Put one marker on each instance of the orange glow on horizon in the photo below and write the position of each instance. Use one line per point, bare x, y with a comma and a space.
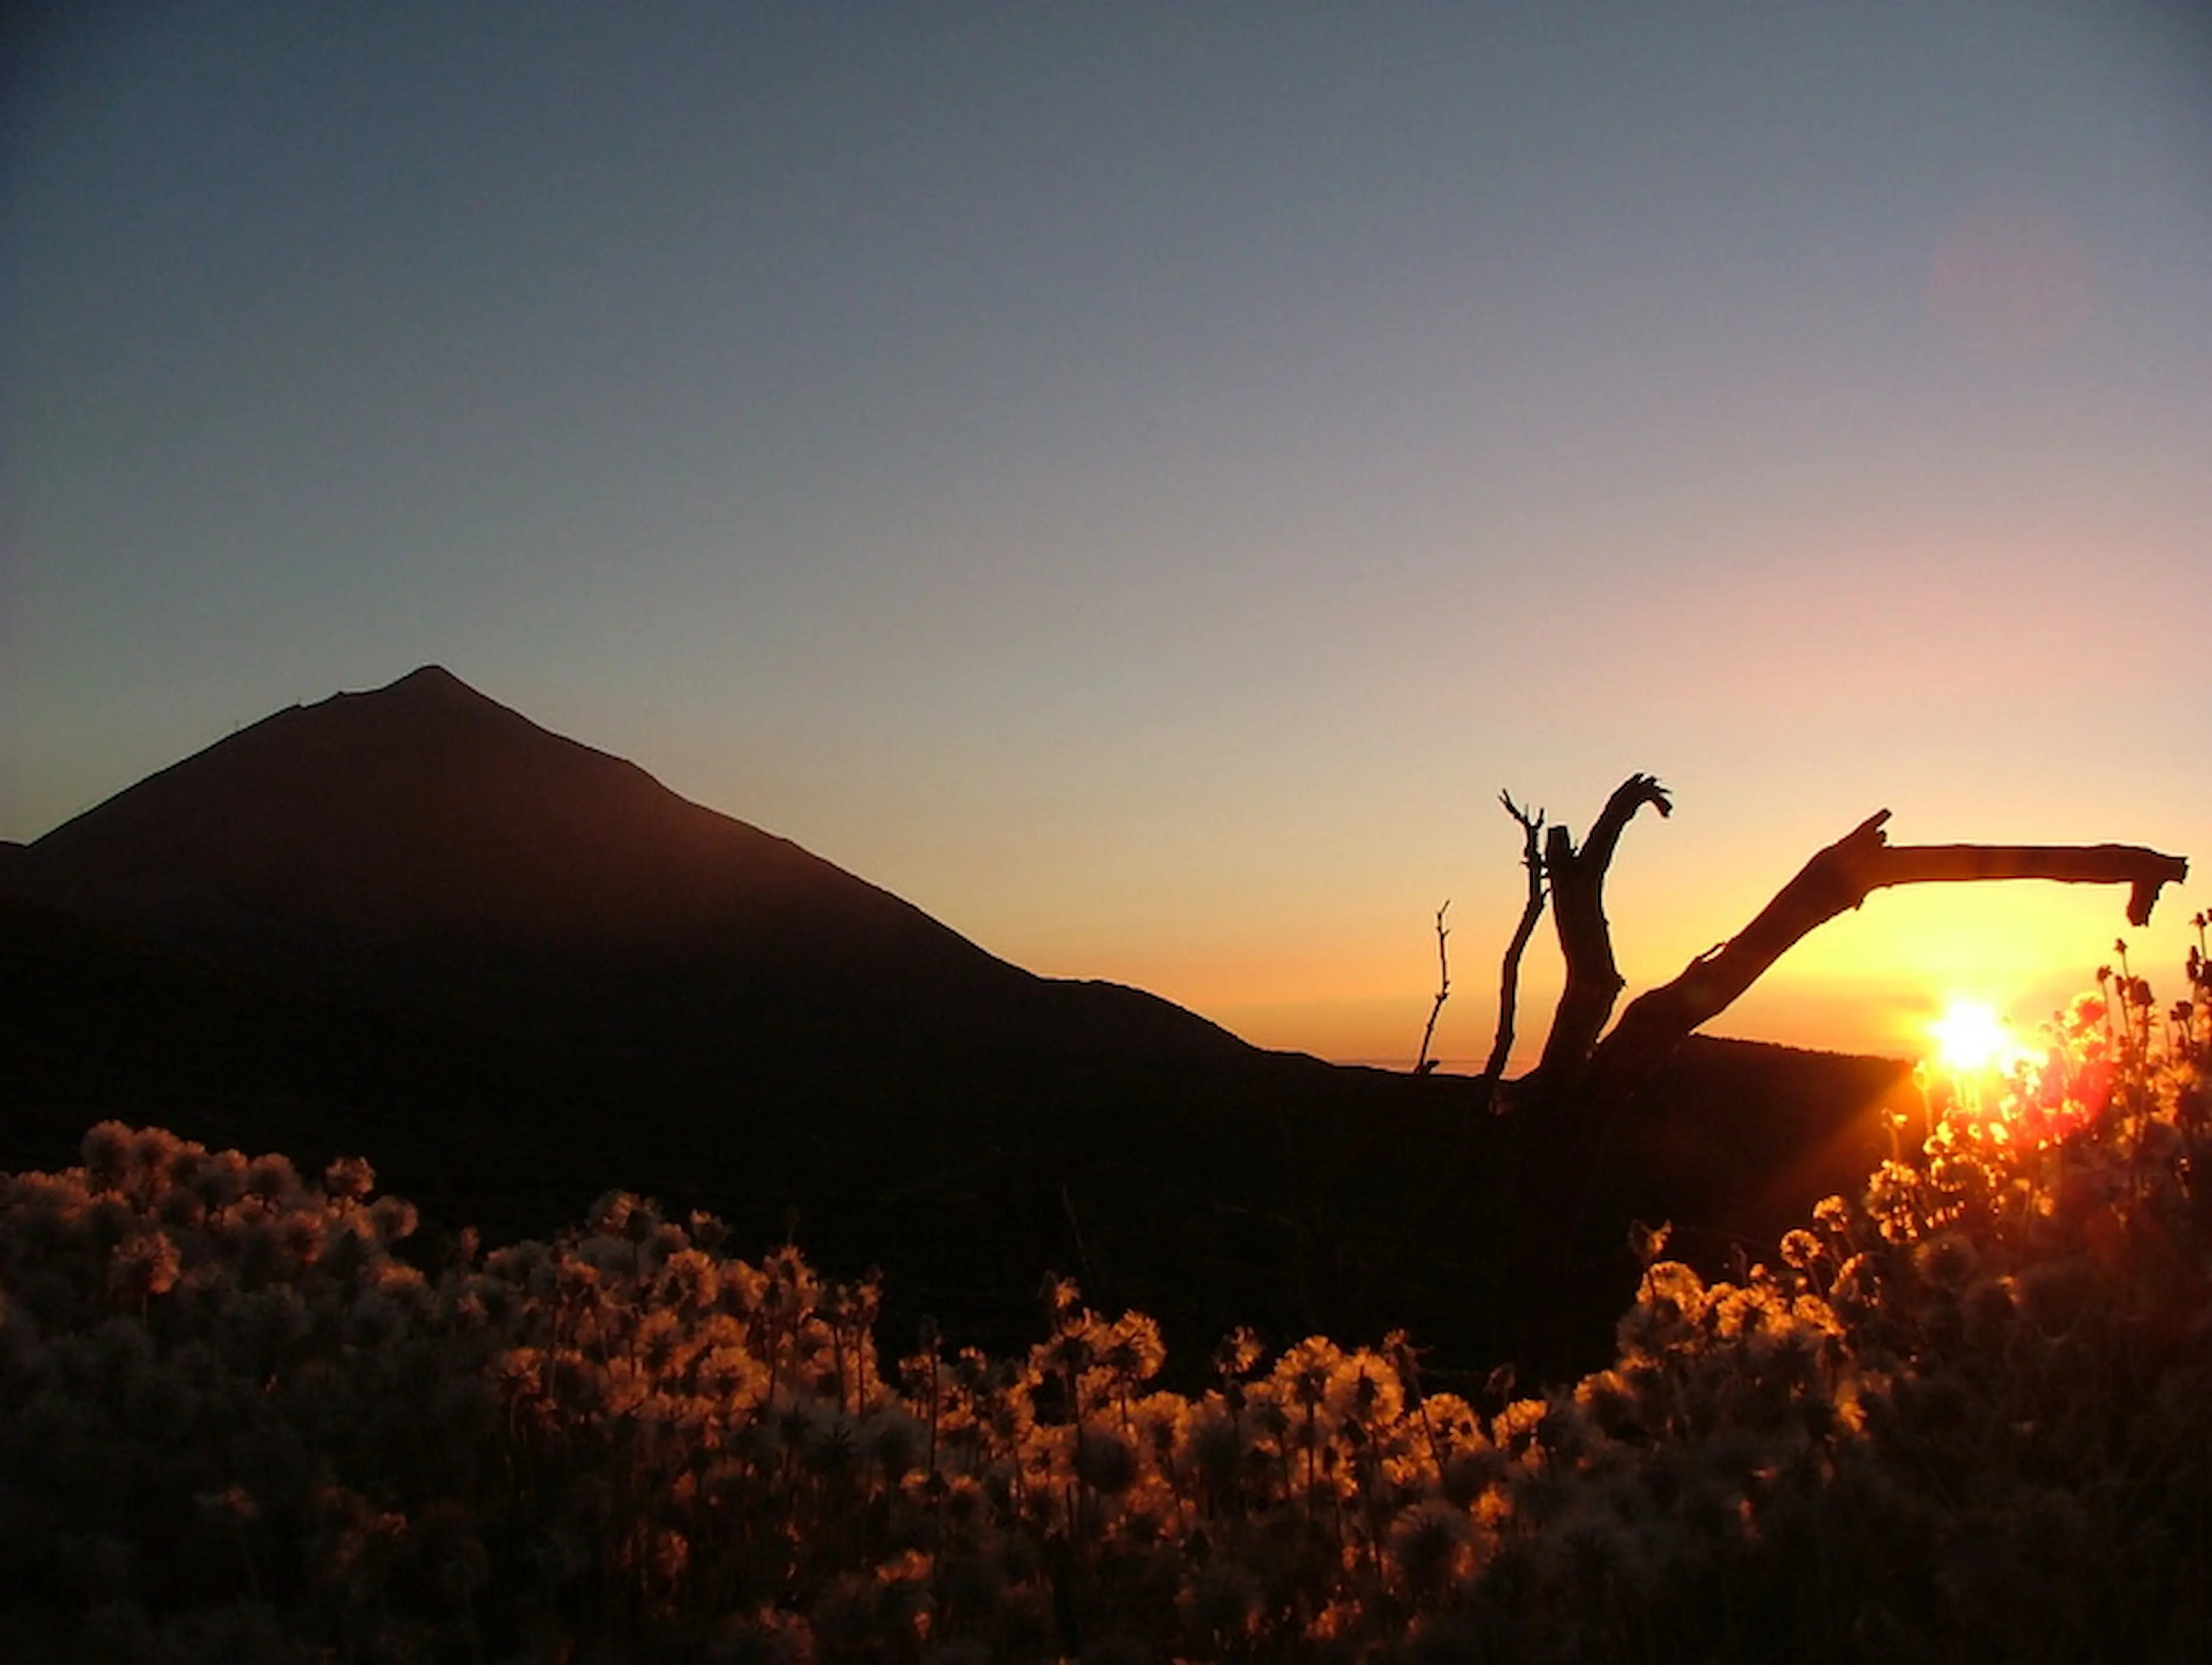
1878, 983
1868, 983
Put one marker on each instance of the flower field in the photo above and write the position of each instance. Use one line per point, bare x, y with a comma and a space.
1966, 1414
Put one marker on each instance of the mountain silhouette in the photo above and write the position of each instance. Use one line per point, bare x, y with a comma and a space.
424, 838
514, 972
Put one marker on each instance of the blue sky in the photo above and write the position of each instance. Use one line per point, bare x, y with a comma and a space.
1138, 480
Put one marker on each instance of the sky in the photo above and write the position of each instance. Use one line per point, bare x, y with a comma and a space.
1139, 481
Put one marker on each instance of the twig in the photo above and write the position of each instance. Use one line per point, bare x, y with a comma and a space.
1424, 1064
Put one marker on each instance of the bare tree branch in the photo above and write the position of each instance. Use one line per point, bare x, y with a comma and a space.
1838, 878
1509, 978
1423, 1064
1594, 981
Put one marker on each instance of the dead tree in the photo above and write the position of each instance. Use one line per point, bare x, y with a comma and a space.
1581, 1060
1535, 1184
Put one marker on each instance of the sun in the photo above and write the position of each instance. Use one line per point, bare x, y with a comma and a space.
1971, 1036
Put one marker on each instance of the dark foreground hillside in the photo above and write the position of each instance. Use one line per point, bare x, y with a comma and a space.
513, 972
1962, 1414
1275, 1191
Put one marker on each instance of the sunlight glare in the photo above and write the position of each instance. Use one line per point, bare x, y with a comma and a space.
1971, 1036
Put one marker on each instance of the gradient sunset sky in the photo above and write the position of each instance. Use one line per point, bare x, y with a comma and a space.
1138, 480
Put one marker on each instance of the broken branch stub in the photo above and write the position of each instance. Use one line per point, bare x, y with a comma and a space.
1594, 981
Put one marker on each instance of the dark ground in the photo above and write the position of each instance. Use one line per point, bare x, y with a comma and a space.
1233, 1188
514, 972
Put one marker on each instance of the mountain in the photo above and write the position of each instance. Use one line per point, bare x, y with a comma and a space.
423, 840
514, 972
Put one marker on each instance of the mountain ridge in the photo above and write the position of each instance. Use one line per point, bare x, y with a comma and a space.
424, 831
513, 971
